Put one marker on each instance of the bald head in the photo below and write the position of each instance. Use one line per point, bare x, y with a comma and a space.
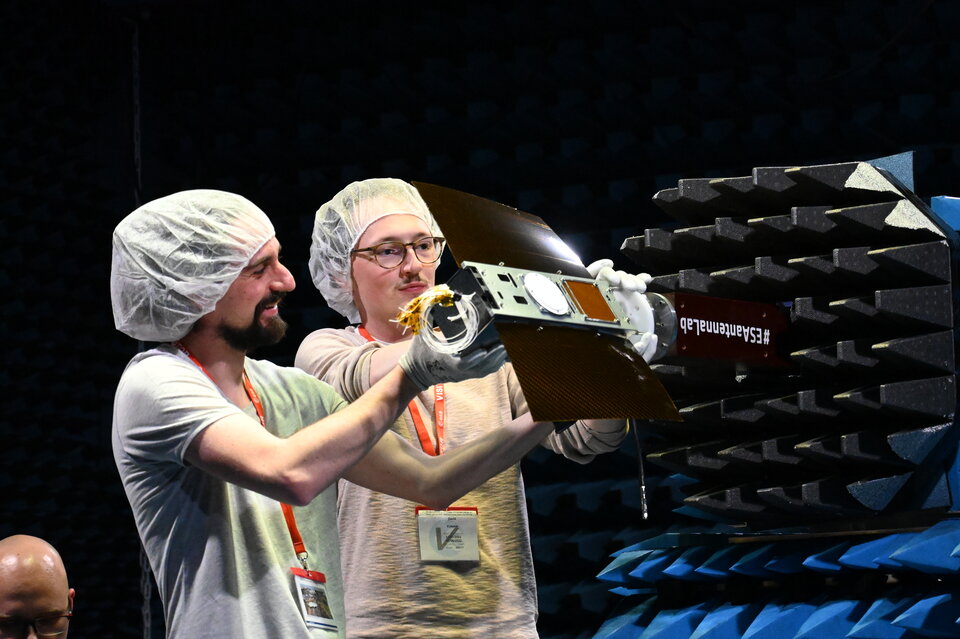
33, 580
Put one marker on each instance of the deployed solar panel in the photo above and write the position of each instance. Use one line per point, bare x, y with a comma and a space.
480, 230
570, 373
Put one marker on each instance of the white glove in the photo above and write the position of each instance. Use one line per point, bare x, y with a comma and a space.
426, 367
629, 291
645, 344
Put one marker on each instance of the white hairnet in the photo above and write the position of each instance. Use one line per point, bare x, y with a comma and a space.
339, 224
175, 257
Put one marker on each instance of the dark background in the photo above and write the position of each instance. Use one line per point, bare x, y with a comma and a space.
576, 112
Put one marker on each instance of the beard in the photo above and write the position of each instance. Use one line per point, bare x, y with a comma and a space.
254, 335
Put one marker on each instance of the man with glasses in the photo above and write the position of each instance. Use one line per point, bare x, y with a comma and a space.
35, 598
375, 246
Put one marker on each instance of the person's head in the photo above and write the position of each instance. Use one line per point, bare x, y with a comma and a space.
179, 258
361, 216
35, 598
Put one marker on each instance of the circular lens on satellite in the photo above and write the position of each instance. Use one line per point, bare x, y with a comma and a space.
546, 294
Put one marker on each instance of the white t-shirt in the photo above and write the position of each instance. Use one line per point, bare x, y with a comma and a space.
221, 554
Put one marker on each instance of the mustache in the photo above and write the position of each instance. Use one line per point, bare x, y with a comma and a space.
275, 298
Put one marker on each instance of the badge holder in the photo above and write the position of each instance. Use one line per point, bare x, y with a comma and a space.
448, 535
311, 589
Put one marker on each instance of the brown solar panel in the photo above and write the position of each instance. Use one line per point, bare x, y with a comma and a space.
569, 373
481, 230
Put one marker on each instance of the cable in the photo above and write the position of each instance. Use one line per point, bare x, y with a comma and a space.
146, 592
467, 314
644, 509
146, 585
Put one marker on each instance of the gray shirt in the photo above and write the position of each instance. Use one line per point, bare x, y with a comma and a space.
221, 554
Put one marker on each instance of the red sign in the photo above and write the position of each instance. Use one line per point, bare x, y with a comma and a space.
727, 329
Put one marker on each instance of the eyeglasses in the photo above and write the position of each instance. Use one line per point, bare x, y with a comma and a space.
391, 254
48, 626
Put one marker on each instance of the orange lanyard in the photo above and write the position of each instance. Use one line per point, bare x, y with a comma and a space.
298, 546
439, 413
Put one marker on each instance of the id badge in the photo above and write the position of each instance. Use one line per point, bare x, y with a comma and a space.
448, 535
311, 587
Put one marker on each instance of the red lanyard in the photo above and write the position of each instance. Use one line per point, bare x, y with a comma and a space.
288, 516
439, 413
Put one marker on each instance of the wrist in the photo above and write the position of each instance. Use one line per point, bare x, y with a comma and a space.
606, 426
412, 378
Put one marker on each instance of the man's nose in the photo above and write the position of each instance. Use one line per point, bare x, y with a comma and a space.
284, 279
410, 263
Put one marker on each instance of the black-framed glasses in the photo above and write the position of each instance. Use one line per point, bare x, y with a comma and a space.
390, 254
55, 625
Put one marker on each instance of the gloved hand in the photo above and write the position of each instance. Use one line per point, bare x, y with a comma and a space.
603, 270
629, 291
426, 367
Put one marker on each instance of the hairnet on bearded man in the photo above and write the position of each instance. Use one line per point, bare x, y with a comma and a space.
340, 222
176, 256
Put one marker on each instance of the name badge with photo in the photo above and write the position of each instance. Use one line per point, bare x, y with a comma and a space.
311, 587
448, 535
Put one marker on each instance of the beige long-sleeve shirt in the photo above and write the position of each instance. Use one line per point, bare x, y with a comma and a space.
389, 592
